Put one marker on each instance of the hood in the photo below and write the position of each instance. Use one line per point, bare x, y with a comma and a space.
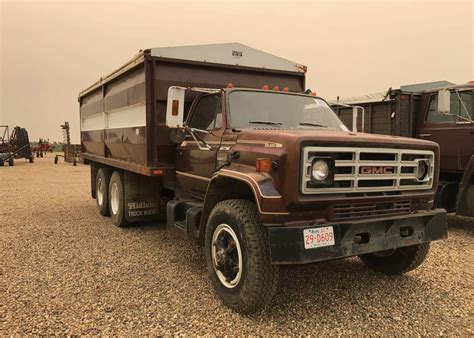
288, 137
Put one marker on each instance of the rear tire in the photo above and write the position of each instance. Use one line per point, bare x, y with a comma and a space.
11, 161
399, 261
102, 191
116, 199
238, 256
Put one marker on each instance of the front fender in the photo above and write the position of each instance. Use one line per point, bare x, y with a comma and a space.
268, 200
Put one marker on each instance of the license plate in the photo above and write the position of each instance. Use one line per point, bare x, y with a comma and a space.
318, 237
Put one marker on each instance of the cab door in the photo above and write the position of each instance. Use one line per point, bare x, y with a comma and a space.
454, 133
194, 164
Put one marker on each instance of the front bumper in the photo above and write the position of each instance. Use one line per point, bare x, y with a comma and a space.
359, 237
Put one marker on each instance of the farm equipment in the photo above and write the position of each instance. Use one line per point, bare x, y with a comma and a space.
14, 146
72, 152
42, 148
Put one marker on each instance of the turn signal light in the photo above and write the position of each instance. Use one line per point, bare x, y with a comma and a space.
263, 165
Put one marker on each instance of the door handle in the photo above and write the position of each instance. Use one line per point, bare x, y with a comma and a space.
425, 135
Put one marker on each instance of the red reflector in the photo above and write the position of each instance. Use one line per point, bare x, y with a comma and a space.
263, 165
158, 172
175, 108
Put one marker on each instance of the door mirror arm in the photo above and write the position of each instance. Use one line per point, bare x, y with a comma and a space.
201, 143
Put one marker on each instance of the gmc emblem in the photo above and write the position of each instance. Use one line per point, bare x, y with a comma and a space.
377, 170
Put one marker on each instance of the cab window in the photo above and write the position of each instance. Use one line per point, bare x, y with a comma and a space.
460, 105
433, 115
207, 114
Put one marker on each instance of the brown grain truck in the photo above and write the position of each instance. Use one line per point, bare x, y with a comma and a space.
417, 111
222, 142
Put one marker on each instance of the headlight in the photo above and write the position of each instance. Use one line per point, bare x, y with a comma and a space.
422, 170
320, 170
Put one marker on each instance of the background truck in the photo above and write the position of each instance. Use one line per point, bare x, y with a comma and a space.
413, 111
222, 142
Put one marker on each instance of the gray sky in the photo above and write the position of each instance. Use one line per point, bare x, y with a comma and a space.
52, 50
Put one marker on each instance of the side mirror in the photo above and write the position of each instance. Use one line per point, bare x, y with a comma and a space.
175, 107
444, 102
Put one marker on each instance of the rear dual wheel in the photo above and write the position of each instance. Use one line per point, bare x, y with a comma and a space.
116, 199
102, 191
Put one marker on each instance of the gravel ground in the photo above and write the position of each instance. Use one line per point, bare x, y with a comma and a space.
67, 270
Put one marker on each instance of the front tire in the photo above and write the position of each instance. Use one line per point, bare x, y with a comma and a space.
397, 261
238, 256
116, 199
11, 161
102, 191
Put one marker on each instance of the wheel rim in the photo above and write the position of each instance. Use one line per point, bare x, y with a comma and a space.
226, 256
100, 192
114, 198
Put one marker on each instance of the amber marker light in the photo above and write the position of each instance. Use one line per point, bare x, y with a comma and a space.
263, 165
175, 108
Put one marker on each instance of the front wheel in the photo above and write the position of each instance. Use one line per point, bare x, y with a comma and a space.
238, 256
397, 261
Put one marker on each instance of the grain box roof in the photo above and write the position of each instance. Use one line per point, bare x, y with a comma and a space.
232, 54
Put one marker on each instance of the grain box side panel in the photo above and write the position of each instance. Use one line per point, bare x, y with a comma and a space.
91, 107
125, 115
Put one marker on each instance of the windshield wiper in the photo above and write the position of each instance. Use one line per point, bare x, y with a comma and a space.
312, 124
271, 123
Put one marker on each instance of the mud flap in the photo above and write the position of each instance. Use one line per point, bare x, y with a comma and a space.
141, 197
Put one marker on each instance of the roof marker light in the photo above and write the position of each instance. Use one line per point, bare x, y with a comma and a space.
276, 88
286, 89
230, 85
265, 87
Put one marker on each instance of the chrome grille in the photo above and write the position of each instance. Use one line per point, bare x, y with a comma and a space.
351, 173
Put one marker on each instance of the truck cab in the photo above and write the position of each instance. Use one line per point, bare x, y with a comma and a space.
438, 111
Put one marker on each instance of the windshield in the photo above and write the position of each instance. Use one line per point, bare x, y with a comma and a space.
251, 109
